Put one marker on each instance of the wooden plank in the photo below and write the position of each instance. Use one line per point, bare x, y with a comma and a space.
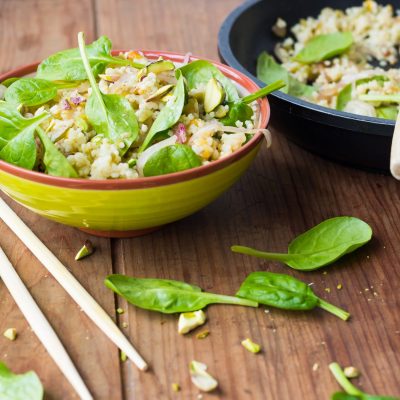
285, 192
179, 25
32, 30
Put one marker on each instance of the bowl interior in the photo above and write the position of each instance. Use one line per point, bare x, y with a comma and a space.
244, 84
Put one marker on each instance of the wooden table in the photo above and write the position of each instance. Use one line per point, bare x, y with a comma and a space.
286, 191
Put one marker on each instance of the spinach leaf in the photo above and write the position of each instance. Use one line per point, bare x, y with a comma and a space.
17, 140
55, 162
21, 150
285, 292
269, 71
33, 91
346, 94
171, 159
67, 65
169, 115
321, 245
387, 112
11, 122
323, 47
344, 396
240, 111
19, 387
200, 72
167, 296
110, 115
9, 81
352, 393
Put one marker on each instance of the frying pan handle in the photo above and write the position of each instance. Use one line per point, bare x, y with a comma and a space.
395, 152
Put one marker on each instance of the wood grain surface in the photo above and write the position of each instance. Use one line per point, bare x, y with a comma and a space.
285, 192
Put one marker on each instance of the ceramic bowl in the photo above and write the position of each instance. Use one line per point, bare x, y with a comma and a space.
131, 207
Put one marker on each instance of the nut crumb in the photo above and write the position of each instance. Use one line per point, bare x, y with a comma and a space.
175, 387
10, 334
315, 367
351, 372
202, 335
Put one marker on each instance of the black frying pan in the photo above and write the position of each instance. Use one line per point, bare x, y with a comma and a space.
350, 139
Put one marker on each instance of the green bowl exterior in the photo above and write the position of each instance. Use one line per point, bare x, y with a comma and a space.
121, 210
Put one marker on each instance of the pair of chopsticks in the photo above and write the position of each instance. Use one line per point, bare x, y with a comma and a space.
35, 317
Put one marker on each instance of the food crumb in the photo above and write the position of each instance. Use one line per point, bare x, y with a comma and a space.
325, 273
252, 347
191, 320
123, 356
124, 324
280, 28
328, 290
175, 387
10, 334
351, 372
120, 310
203, 335
86, 250
266, 311
339, 286
315, 367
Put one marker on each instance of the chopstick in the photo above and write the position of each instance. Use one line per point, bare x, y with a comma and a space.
70, 284
41, 326
395, 151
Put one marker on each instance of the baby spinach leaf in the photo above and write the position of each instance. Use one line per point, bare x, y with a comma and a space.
9, 81
324, 47
387, 112
67, 65
241, 111
285, 292
269, 71
11, 122
110, 115
352, 392
33, 91
19, 387
321, 245
177, 157
169, 115
17, 141
55, 162
21, 150
346, 94
167, 296
343, 396
238, 111
199, 72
